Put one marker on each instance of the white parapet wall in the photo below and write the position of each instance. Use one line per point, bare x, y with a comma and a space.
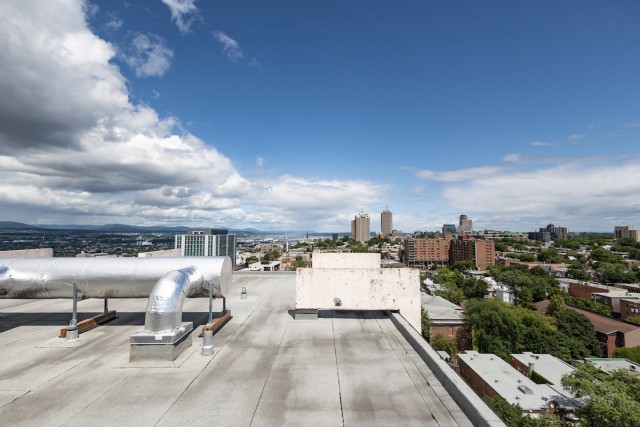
359, 288
346, 260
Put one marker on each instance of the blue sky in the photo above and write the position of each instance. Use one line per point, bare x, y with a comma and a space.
296, 115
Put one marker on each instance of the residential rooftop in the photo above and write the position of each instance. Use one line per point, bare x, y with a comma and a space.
513, 386
610, 365
549, 367
345, 368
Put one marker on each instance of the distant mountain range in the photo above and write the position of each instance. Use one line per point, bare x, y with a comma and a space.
124, 228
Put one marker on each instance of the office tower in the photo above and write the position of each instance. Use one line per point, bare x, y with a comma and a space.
361, 228
212, 242
465, 224
449, 229
386, 223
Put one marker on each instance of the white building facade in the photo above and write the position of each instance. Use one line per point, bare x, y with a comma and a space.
207, 243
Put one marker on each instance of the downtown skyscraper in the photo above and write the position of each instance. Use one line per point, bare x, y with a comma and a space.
361, 227
386, 222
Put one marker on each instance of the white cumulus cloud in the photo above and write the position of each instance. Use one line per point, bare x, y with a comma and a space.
74, 147
230, 47
148, 55
183, 13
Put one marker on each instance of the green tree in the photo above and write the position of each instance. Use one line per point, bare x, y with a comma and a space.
634, 320
556, 303
250, 260
462, 266
360, 249
579, 332
577, 274
474, 288
615, 273
425, 322
495, 329
550, 256
513, 417
631, 353
452, 293
538, 271
592, 306
603, 255
299, 262
440, 343
610, 400
271, 255
525, 298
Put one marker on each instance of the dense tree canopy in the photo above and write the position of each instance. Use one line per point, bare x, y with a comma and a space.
578, 332
631, 353
615, 273
551, 256
611, 400
502, 329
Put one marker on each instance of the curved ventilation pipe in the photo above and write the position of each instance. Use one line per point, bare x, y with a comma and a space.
164, 309
39, 278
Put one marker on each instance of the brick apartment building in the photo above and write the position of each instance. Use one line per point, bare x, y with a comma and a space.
426, 253
481, 252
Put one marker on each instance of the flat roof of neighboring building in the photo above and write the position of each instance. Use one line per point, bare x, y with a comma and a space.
440, 309
546, 365
514, 387
346, 368
628, 295
609, 365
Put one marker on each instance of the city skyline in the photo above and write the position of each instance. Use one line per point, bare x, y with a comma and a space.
244, 115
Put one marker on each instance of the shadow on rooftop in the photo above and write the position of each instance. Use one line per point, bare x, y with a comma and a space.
12, 320
346, 314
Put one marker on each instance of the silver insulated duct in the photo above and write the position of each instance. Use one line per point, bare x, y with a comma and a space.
166, 281
39, 278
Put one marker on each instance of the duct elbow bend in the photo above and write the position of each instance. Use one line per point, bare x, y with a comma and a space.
164, 308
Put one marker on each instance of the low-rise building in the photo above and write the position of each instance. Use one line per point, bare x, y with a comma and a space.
265, 266
545, 366
614, 364
629, 308
488, 375
585, 290
611, 333
446, 317
614, 299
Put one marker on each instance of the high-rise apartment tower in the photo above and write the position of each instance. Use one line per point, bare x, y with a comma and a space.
465, 224
361, 228
386, 222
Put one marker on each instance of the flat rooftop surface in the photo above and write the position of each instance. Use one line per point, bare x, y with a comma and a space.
346, 368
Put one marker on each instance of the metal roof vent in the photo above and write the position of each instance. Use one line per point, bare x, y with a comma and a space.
524, 389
